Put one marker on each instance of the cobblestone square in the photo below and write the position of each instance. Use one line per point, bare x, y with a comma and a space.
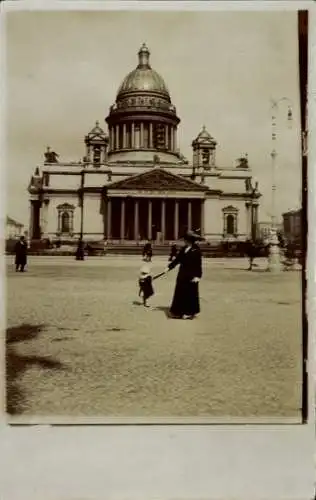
79, 344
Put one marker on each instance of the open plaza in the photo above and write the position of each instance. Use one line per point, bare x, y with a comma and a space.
79, 344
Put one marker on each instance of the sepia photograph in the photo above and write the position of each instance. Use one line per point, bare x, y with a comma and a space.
156, 226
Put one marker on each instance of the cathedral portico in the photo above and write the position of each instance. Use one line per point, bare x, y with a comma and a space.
144, 218
156, 205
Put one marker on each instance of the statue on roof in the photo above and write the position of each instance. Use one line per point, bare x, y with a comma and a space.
248, 184
250, 188
51, 156
242, 162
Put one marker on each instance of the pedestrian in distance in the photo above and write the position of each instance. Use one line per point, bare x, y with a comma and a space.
80, 250
186, 301
251, 252
20, 254
148, 251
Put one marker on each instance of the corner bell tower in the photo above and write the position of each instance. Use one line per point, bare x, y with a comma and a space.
204, 149
96, 146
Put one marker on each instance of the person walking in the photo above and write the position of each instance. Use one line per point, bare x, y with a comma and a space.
251, 253
20, 254
79, 255
148, 251
186, 301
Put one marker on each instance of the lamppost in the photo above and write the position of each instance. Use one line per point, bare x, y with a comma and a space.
253, 195
274, 250
253, 207
80, 249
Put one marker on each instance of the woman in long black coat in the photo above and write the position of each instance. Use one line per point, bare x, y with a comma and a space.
186, 301
20, 254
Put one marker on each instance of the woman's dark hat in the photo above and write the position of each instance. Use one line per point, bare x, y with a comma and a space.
192, 236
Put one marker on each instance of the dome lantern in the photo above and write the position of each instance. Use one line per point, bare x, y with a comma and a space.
143, 57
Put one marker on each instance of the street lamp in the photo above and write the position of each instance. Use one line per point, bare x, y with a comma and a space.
274, 250
80, 249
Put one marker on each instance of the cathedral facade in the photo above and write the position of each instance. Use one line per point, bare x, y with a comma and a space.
133, 184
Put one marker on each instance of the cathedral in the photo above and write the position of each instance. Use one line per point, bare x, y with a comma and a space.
133, 184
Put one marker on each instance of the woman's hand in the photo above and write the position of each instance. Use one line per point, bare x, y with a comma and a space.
166, 270
195, 280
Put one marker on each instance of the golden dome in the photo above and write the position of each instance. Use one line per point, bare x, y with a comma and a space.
143, 78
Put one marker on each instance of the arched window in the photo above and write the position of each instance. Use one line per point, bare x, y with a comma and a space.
65, 222
65, 218
230, 224
97, 155
230, 221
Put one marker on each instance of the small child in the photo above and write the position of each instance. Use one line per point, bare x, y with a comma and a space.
145, 282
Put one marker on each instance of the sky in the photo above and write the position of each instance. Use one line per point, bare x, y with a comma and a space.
222, 69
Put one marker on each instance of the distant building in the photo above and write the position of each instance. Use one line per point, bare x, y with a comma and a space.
133, 183
14, 229
292, 225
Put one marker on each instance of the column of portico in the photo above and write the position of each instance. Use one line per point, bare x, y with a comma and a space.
136, 220
141, 134
109, 219
249, 219
176, 219
189, 215
35, 219
32, 219
122, 219
202, 217
163, 219
174, 138
44, 217
124, 136
150, 219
